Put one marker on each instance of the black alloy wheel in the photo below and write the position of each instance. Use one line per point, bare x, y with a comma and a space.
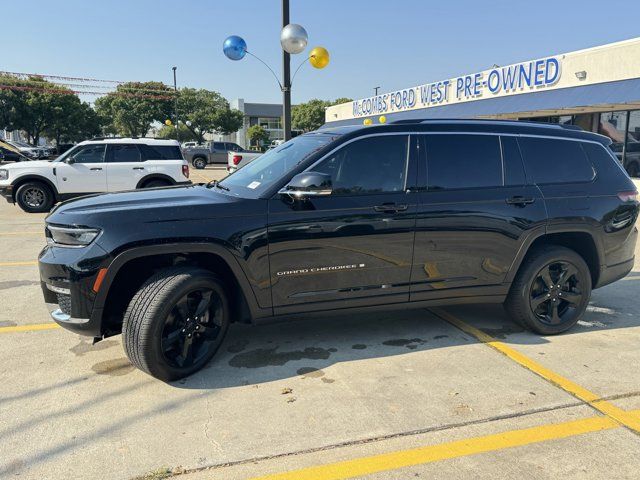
192, 328
551, 290
555, 293
176, 322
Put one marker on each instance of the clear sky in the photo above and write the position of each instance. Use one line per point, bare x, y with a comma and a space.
388, 43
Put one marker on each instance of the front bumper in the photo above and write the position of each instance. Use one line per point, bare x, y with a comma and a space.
6, 191
67, 276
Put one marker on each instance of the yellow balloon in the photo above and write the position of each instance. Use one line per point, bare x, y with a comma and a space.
319, 57
382, 119
367, 121
167, 122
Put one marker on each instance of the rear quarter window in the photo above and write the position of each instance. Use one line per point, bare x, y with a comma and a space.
550, 160
162, 152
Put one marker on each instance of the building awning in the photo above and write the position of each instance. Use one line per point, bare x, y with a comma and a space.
601, 97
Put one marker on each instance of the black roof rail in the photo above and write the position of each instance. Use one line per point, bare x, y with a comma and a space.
114, 138
485, 120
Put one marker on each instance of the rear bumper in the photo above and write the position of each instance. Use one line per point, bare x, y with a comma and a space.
6, 191
610, 274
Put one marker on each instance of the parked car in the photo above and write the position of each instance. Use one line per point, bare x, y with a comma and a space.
213, 152
236, 160
393, 216
94, 166
27, 150
9, 153
187, 145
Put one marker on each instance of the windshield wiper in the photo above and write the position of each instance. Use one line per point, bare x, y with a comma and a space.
216, 183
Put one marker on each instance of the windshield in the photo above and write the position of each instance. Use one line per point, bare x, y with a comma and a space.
66, 154
259, 175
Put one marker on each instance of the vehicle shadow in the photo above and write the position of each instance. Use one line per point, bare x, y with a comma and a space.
305, 347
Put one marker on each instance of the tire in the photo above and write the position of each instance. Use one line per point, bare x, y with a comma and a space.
156, 184
199, 163
34, 197
633, 169
155, 329
558, 309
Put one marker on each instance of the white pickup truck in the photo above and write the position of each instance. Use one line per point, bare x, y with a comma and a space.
236, 160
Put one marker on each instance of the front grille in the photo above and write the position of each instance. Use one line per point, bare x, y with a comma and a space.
64, 302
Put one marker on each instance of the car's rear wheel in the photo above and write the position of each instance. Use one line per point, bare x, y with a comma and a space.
176, 322
34, 197
551, 290
199, 163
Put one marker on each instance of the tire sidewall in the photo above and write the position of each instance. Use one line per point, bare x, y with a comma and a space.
530, 273
46, 205
199, 163
158, 365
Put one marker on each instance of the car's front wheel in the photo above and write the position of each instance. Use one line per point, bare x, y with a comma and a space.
551, 290
34, 197
176, 322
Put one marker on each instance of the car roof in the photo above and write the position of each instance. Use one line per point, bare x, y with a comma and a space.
142, 141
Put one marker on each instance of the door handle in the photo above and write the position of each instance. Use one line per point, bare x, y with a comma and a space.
95, 169
138, 168
519, 200
391, 207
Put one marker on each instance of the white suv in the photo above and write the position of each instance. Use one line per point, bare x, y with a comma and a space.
94, 166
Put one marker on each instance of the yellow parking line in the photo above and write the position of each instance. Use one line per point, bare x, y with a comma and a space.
17, 264
617, 414
444, 451
29, 328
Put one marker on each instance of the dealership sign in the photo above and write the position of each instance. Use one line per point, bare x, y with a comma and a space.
498, 81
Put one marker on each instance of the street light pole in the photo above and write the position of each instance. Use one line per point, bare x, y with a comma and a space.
175, 107
286, 79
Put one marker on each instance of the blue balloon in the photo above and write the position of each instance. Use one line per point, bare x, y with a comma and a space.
234, 47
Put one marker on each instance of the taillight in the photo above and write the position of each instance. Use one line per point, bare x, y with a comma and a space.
236, 159
630, 196
185, 170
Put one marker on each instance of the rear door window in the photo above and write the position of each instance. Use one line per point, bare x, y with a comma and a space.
125, 154
457, 161
550, 160
218, 146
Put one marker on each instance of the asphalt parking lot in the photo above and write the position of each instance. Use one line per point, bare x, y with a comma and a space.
444, 393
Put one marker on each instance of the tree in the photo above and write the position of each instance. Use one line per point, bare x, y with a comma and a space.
311, 115
257, 135
134, 107
72, 121
169, 132
207, 112
229, 121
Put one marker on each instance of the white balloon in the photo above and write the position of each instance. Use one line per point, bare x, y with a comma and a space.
293, 38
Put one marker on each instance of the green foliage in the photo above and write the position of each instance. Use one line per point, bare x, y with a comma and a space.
45, 108
169, 133
207, 112
310, 115
128, 113
229, 121
257, 135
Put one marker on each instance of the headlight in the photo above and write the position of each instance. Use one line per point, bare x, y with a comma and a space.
4, 174
70, 236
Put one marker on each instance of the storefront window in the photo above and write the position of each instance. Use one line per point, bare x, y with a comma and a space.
632, 149
614, 126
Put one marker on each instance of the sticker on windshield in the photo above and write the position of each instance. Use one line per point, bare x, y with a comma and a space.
253, 185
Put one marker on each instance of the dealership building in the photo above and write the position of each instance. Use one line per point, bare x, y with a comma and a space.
597, 89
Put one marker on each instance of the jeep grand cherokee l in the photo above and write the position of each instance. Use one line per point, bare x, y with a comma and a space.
401, 215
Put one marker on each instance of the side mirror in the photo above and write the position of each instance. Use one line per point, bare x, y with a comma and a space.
308, 184
70, 161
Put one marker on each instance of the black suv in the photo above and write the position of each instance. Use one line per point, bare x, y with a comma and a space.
407, 214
